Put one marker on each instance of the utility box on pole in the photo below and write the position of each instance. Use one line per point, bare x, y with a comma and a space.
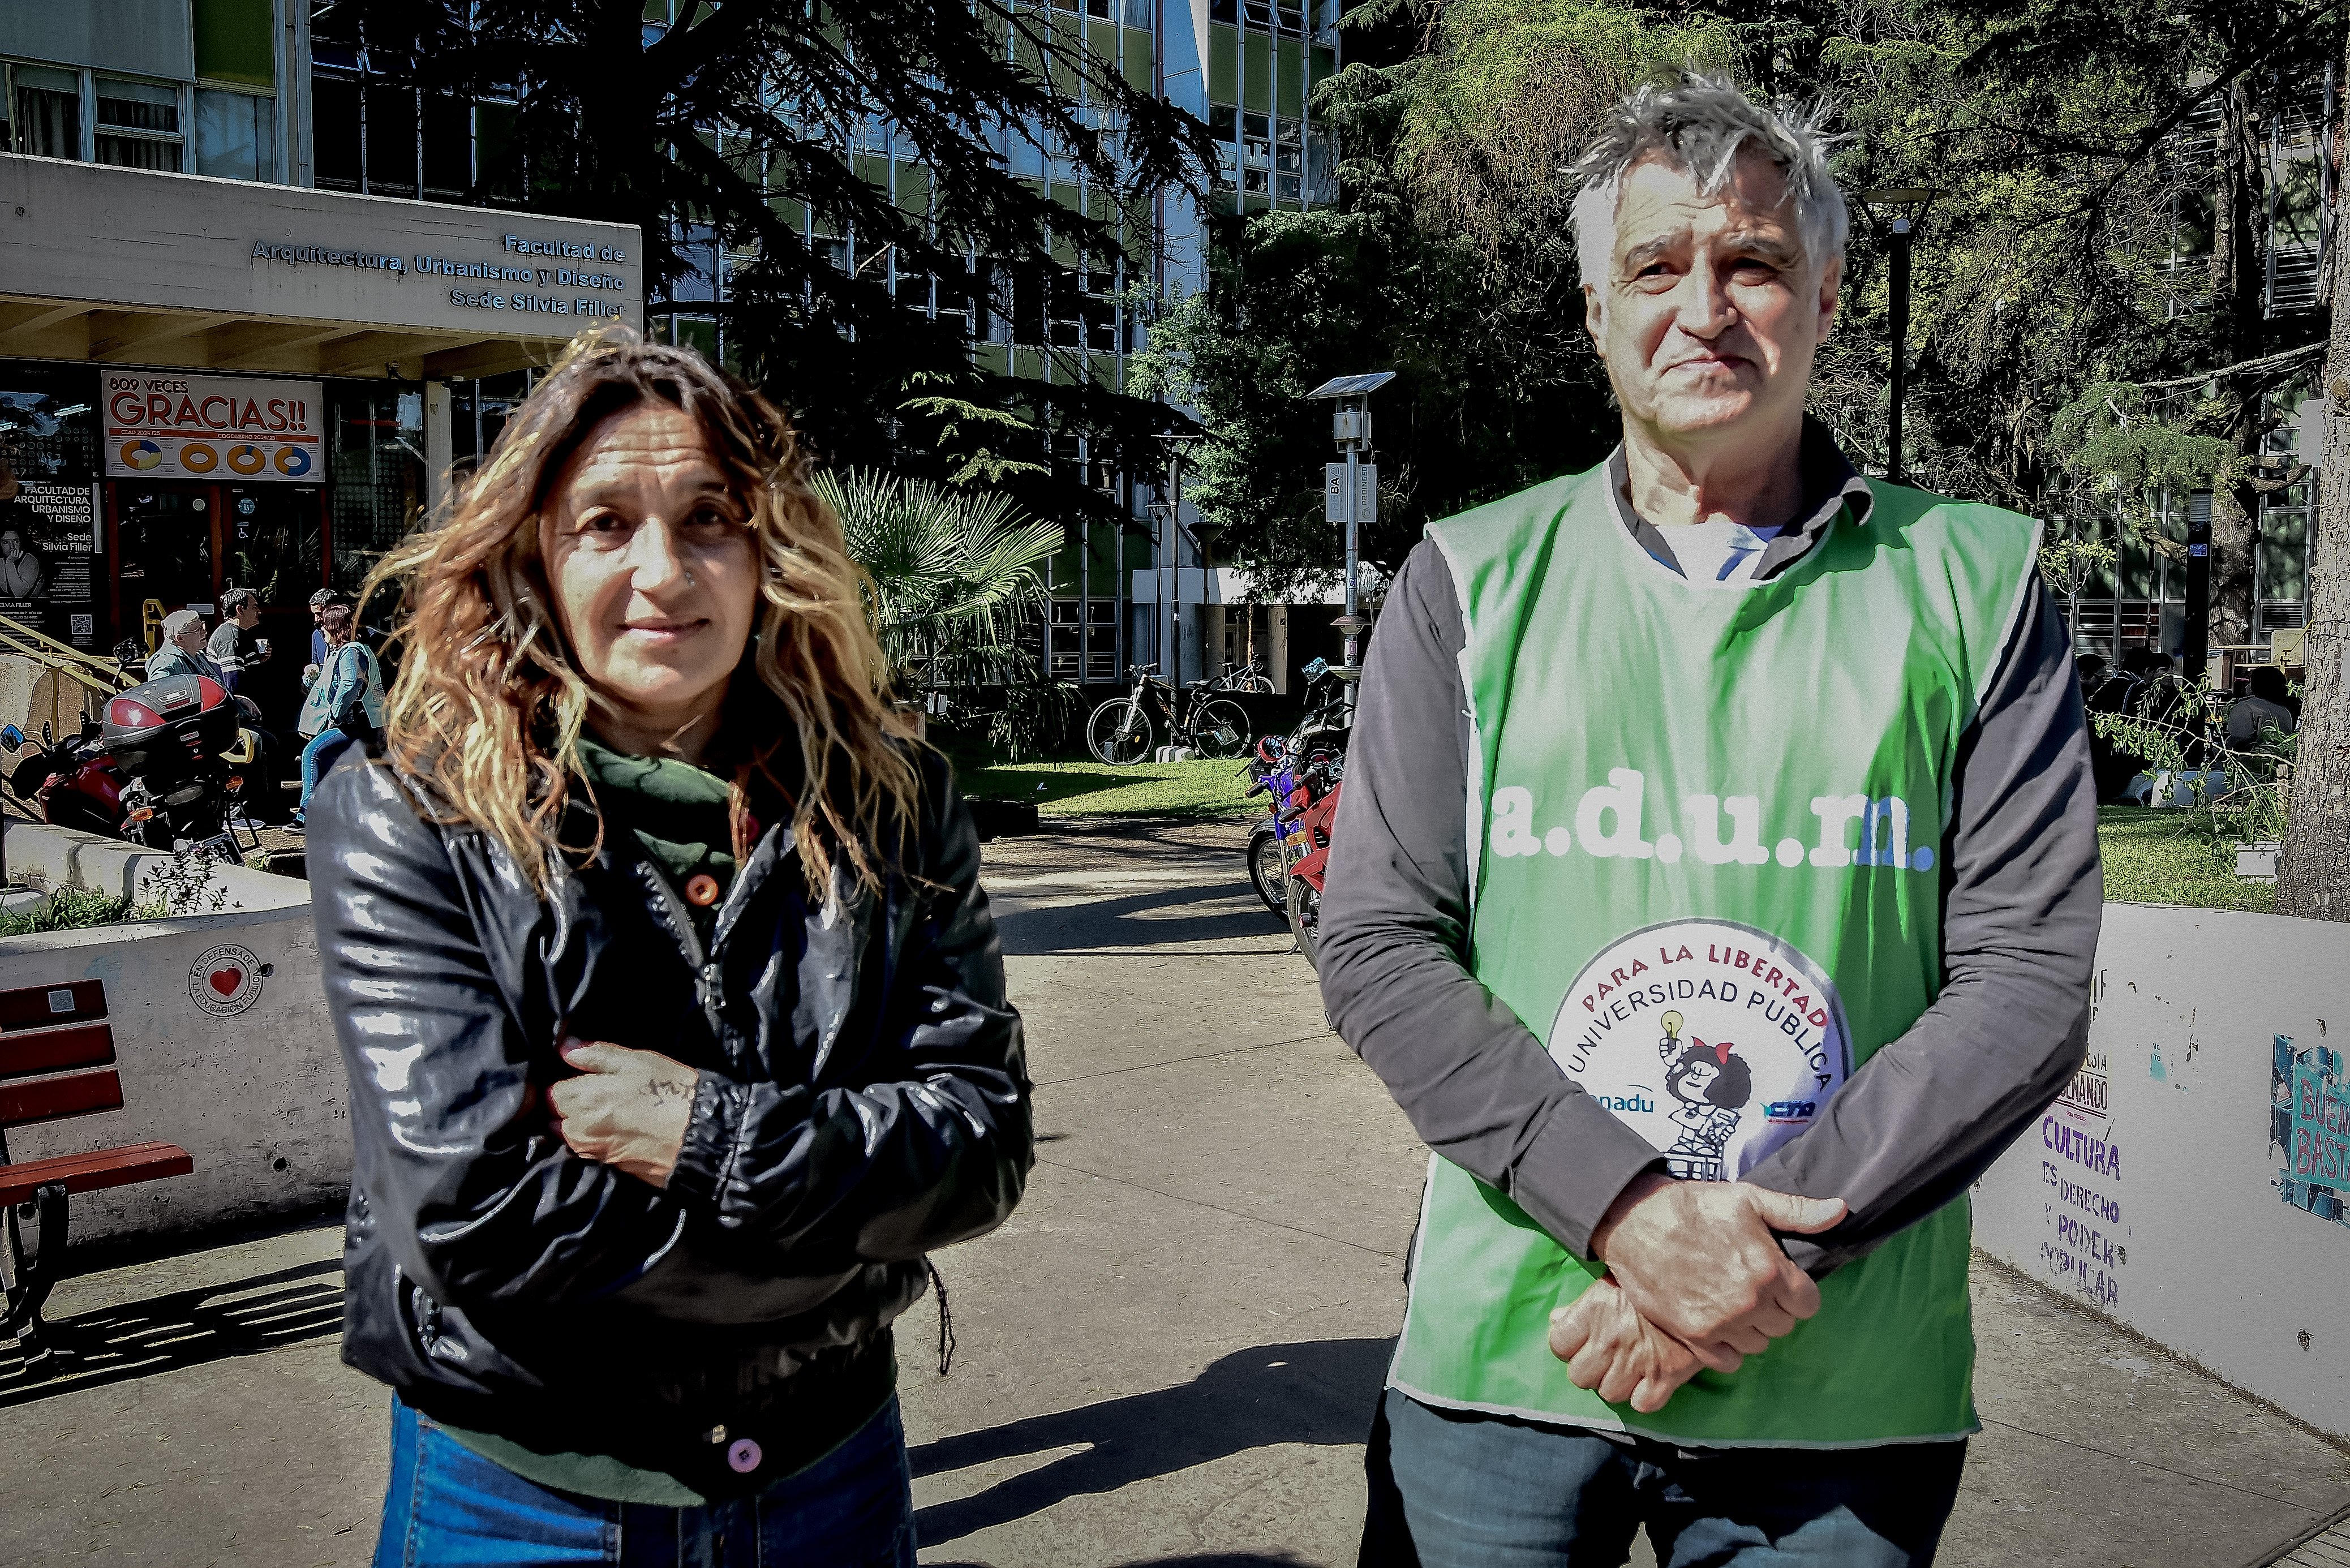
1342, 499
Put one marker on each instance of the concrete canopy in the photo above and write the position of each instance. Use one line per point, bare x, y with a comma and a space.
108, 265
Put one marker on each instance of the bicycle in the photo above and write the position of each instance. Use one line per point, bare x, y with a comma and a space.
1249, 678
1121, 731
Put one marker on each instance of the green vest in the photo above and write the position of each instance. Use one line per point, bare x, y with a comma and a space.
1703, 825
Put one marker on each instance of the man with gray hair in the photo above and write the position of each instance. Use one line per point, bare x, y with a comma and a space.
1766, 927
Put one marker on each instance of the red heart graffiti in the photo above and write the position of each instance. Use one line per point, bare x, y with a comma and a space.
226, 981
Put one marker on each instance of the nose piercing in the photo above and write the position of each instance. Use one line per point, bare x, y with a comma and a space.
689, 577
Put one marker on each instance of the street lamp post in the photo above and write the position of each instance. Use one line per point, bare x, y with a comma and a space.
1908, 204
1350, 425
1171, 661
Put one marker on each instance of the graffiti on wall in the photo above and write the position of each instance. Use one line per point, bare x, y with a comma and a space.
2309, 1127
2084, 1245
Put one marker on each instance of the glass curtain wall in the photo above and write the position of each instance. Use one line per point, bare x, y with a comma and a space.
375, 490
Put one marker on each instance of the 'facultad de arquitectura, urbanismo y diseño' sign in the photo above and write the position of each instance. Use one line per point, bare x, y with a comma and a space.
570, 270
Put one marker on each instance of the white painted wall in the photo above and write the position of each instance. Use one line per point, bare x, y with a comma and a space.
2205, 1255
256, 1098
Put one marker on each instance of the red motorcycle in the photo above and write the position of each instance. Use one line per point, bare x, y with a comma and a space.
1289, 847
164, 768
1305, 874
71, 781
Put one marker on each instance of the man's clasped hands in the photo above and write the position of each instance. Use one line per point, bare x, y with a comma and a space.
1695, 1278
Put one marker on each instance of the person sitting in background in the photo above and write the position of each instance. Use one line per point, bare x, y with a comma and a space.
183, 652
2110, 689
345, 703
2267, 706
233, 646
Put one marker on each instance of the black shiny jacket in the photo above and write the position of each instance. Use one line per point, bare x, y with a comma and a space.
863, 1099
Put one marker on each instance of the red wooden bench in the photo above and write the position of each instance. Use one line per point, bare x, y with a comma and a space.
55, 1054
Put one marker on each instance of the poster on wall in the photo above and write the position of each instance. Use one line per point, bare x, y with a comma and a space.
2309, 1127
48, 559
234, 429
49, 423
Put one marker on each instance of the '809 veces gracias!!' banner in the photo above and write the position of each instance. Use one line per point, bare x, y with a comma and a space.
165, 425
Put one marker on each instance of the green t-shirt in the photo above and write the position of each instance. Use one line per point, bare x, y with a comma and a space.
678, 812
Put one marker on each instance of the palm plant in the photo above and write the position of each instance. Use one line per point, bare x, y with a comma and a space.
953, 575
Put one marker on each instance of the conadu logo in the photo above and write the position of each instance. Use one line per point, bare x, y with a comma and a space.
1714, 1040
1851, 830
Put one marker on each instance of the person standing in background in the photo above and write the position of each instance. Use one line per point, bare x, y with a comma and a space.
319, 603
233, 646
343, 705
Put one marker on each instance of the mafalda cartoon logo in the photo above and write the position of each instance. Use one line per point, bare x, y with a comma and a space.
1709, 1085
1714, 1040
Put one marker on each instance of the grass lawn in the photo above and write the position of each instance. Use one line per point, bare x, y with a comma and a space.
2170, 857
1087, 788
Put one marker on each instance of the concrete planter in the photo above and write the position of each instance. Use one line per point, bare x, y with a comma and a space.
221, 1036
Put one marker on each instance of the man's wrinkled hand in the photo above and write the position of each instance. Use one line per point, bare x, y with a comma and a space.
628, 1110
1610, 1349
1699, 1261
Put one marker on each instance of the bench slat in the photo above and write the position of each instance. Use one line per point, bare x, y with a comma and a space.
54, 1050
54, 1099
39, 1006
91, 1172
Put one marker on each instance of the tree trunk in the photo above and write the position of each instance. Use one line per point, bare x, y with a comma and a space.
2237, 278
2313, 875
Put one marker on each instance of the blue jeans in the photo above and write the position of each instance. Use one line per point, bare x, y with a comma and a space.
1458, 1489
316, 758
448, 1506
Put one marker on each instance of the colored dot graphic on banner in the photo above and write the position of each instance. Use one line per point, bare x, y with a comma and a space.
247, 458
198, 458
293, 460
141, 453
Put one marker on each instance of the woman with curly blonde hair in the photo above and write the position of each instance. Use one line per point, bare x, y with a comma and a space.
673, 1011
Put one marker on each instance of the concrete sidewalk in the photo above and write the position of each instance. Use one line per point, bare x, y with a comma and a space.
1167, 1357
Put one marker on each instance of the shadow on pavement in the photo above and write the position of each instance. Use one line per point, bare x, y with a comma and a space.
186, 1328
1318, 1392
1107, 921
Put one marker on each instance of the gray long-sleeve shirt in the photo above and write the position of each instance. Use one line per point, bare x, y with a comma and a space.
1915, 1125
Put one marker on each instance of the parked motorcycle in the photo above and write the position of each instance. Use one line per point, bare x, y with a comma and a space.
182, 748
71, 781
1306, 873
1301, 772
166, 767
